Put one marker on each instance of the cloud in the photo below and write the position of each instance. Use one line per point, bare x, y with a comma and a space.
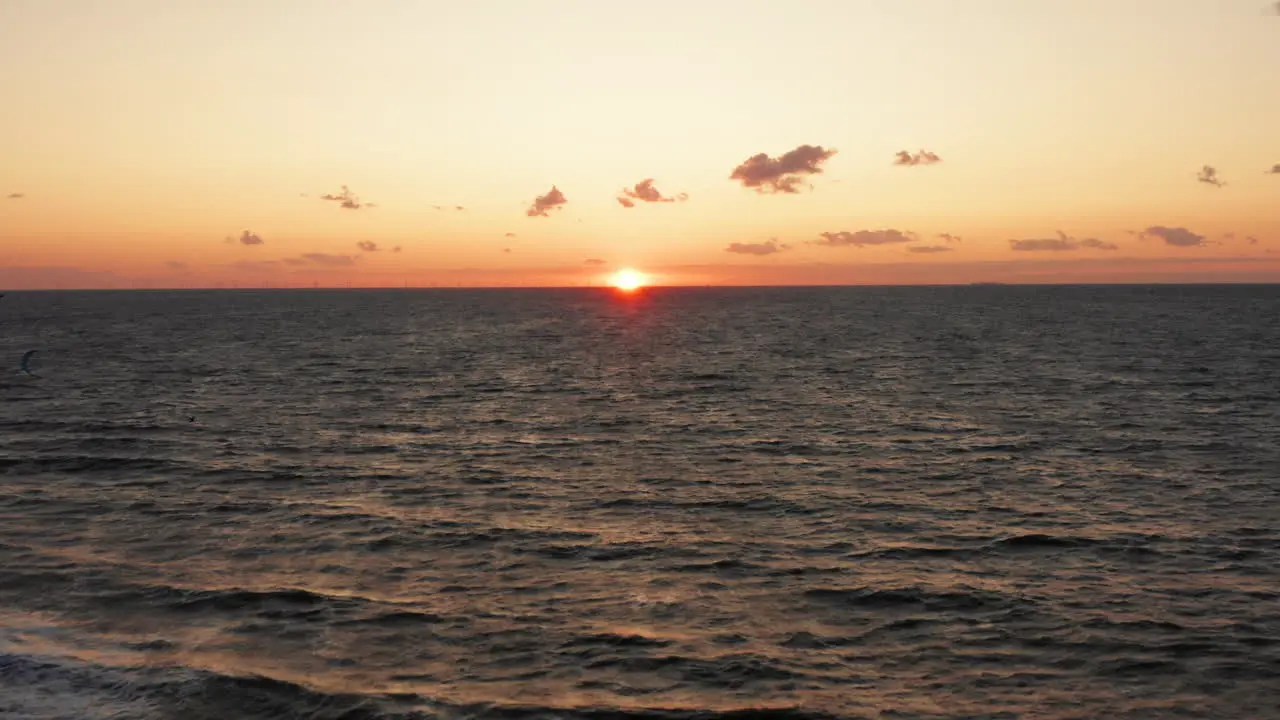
1209, 175
862, 238
367, 246
438, 207
1097, 244
948, 237
781, 174
595, 262
176, 265
1275, 170
346, 199
765, 248
924, 157
255, 265
1044, 244
458, 207
930, 249
646, 192
248, 238
1177, 237
506, 250
16, 196
552, 200
329, 260
1252, 240
1062, 243
509, 235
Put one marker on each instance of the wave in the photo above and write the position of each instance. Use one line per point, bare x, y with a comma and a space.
1039, 541
46, 687
914, 598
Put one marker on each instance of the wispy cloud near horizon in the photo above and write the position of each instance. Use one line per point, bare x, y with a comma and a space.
325, 259
16, 196
771, 247
864, 238
782, 174
1062, 243
248, 238
1175, 237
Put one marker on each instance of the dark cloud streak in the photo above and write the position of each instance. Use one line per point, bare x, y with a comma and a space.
1062, 243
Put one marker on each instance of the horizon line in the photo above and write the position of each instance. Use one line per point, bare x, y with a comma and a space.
642, 290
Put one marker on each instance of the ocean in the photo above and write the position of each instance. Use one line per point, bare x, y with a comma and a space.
737, 503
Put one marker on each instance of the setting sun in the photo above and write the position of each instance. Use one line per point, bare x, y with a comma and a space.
628, 280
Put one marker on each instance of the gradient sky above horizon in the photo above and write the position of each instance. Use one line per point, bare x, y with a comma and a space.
139, 135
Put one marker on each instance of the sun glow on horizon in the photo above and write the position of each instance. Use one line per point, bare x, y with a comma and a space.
628, 280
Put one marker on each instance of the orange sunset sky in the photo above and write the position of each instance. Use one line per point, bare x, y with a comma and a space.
172, 143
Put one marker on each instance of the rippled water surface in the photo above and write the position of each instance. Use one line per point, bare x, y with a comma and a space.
899, 503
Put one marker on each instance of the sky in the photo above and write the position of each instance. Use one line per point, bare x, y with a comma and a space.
175, 143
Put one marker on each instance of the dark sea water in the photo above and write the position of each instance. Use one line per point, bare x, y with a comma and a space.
982, 502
